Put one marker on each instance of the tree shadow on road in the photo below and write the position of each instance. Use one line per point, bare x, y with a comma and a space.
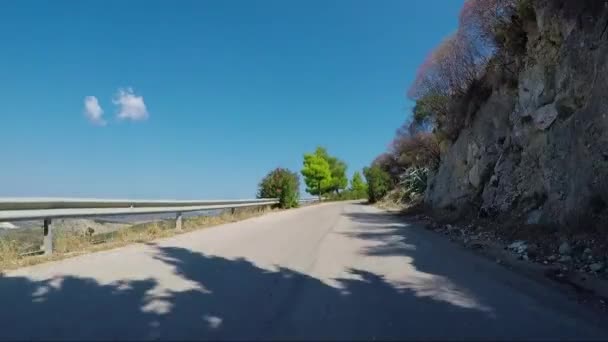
509, 295
236, 299
231, 299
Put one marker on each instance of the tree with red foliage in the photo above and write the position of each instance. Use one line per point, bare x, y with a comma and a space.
414, 148
451, 69
480, 19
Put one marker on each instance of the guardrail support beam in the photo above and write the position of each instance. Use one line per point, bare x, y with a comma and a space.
48, 237
178, 222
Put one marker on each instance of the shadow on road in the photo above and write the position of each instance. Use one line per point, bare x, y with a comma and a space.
514, 300
233, 299
236, 299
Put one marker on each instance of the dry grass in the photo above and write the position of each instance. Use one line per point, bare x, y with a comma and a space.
68, 244
400, 200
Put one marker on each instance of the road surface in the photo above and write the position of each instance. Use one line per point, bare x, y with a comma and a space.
332, 271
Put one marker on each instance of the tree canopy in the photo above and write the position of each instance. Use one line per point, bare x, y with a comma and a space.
358, 187
282, 184
339, 180
317, 174
314, 169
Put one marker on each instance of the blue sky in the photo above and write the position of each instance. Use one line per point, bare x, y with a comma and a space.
201, 98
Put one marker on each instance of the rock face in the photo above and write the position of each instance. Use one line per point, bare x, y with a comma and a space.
538, 150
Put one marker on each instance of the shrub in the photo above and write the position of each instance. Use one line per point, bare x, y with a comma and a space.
418, 150
282, 184
379, 183
414, 180
346, 195
429, 107
358, 187
389, 164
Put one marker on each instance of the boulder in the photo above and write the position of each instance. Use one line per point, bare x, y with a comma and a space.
544, 116
596, 267
565, 248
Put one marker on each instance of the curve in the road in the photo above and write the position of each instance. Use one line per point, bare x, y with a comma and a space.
333, 271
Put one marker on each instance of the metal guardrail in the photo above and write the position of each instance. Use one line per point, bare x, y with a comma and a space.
47, 209
74, 203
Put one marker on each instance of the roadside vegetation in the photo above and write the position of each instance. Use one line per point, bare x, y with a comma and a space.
282, 184
449, 86
21, 247
325, 176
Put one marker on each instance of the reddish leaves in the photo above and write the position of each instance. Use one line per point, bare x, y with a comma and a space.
460, 59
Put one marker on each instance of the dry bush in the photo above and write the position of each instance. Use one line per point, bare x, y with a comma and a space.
456, 67
389, 164
480, 19
9, 253
417, 150
66, 241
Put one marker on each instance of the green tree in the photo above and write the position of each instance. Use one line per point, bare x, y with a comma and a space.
358, 187
339, 180
379, 183
282, 184
317, 174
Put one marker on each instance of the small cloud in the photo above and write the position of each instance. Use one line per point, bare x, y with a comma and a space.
93, 111
131, 106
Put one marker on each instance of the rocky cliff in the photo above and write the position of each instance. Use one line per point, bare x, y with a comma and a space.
535, 148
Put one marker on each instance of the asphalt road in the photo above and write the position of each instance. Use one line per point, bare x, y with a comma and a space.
333, 271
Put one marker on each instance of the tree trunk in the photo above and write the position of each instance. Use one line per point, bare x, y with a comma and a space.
319, 191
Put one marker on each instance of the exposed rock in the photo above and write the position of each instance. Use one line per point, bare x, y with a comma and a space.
565, 248
477, 246
578, 249
532, 250
531, 88
536, 149
565, 258
474, 176
598, 266
545, 116
518, 247
531, 150
534, 217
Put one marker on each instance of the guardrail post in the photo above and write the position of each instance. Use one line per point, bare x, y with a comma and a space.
48, 237
178, 221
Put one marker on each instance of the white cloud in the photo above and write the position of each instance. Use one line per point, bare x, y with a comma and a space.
93, 111
131, 106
